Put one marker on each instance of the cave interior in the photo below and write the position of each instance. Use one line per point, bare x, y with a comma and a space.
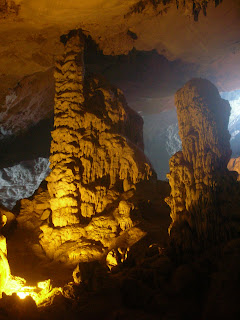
120, 159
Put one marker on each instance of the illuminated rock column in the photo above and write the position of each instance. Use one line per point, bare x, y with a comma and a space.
97, 162
64, 177
197, 172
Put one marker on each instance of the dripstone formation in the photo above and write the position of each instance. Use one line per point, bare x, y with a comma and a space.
66, 145
198, 174
97, 160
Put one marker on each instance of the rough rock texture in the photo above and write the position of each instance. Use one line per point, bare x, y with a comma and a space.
199, 171
161, 138
8, 9
29, 102
234, 165
65, 147
4, 266
96, 292
29, 35
193, 8
87, 144
20, 181
97, 160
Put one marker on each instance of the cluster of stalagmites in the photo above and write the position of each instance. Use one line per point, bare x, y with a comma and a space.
198, 177
97, 160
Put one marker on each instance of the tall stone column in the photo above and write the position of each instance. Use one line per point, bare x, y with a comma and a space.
97, 163
65, 147
198, 174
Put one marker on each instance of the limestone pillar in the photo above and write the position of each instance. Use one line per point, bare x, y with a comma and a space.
198, 174
65, 147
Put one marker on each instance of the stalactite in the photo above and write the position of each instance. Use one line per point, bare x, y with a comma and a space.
197, 6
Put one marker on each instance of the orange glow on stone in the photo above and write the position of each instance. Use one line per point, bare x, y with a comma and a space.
42, 293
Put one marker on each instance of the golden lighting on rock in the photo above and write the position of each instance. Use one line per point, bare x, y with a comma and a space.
42, 293
22, 295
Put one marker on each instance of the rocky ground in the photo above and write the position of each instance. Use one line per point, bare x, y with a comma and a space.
151, 283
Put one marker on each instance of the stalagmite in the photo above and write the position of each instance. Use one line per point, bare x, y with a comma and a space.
198, 174
97, 161
65, 146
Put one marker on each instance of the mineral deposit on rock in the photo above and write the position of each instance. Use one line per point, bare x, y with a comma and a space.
97, 160
200, 169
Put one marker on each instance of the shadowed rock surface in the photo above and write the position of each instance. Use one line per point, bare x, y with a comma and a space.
97, 163
198, 174
136, 274
98, 227
234, 165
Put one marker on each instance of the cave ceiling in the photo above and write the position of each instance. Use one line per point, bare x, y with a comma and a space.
147, 48
171, 41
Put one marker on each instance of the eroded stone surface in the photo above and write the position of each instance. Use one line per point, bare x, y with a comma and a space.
97, 161
29, 102
234, 165
199, 171
192, 8
29, 33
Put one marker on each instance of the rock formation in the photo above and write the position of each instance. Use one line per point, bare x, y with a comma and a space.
8, 9
198, 174
192, 8
29, 102
65, 147
20, 181
234, 165
97, 160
